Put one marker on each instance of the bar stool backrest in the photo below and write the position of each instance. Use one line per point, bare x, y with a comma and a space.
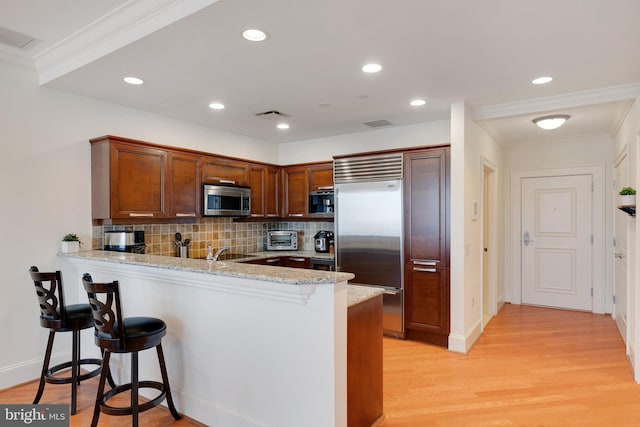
104, 299
50, 294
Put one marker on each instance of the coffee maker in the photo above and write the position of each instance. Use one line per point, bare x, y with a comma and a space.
323, 241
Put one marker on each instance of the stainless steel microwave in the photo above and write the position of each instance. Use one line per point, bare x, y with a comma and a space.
226, 200
282, 240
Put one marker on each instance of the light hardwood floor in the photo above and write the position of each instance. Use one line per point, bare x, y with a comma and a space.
532, 367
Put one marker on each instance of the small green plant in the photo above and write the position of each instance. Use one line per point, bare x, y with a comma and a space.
627, 191
71, 237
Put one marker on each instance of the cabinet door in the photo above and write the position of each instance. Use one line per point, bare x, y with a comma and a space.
265, 184
427, 312
426, 192
184, 185
137, 181
321, 177
257, 183
272, 192
296, 191
299, 262
218, 169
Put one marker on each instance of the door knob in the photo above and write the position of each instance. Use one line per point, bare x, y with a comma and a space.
618, 255
526, 239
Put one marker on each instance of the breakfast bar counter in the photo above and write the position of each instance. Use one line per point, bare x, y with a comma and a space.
247, 345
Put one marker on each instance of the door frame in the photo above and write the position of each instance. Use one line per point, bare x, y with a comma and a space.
489, 170
598, 229
615, 308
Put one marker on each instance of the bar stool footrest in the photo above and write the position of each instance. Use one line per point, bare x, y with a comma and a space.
112, 410
51, 378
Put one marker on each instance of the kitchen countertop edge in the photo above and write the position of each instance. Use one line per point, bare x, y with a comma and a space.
234, 268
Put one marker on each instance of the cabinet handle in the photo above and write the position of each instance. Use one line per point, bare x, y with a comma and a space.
417, 262
272, 215
296, 214
326, 187
227, 181
297, 259
272, 260
424, 270
256, 215
141, 214
185, 214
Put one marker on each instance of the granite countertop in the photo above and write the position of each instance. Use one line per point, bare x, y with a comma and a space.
357, 293
234, 268
305, 254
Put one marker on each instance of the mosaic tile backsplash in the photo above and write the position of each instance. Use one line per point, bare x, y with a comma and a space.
240, 237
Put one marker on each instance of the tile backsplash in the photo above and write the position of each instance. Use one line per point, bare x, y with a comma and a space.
240, 237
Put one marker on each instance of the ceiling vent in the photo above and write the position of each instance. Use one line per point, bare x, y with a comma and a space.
272, 115
378, 123
14, 38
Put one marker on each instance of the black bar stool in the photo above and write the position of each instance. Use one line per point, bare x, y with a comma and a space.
58, 317
115, 334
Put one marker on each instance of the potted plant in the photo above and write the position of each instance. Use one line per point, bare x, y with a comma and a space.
628, 196
70, 243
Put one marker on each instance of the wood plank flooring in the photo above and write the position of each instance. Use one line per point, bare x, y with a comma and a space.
532, 367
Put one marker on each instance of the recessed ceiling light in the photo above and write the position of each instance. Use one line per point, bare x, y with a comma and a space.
417, 102
283, 126
254, 35
551, 122
541, 80
372, 68
216, 106
133, 80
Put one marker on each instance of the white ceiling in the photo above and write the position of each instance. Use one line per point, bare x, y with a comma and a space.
190, 53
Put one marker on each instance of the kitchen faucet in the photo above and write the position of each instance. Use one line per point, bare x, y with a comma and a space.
220, 251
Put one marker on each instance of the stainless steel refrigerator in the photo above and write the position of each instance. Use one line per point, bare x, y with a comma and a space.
369, 229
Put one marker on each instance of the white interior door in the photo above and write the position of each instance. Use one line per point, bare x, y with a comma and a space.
620, 253
557, 241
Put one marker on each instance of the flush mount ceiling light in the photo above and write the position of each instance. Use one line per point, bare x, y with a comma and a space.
372, 68
541, 80
551, 122
254, 35
417, 102
133, 80
216, 106
283, 126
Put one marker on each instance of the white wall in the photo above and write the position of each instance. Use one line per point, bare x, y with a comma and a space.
46, 191
312, 150
471, 149
629, 136
592, 152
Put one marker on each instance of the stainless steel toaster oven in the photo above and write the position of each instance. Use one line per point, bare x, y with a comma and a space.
282, 240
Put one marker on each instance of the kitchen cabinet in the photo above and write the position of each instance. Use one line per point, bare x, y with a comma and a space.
127, 180
184, 185
321, 177
219, 169
426, 265
264, 181
274, 261
283, 261
296, 191
298, 262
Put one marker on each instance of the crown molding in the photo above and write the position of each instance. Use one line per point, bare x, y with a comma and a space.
558, 102
124, 25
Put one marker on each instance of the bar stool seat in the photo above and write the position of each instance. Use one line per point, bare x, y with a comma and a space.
116, 334
58, 317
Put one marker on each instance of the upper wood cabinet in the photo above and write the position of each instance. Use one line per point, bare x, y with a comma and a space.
265, 190
128, 180
321, 177
218, 169
296, 191
184, 188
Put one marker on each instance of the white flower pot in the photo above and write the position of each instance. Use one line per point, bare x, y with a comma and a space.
69, 247
628, 200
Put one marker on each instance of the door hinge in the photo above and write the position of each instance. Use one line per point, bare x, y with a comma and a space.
614, 299
592, 239
614, 242
591, 291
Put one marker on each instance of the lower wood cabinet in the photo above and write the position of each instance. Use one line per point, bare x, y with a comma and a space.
427, 315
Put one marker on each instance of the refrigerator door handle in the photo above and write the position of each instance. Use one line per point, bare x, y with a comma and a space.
424, 270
